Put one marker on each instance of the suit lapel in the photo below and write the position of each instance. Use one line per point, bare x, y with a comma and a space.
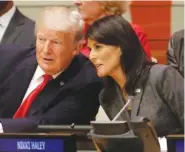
112, 103
141, 85
27, 74
13, 27
62, 83
136, 103
43, 100
23, 76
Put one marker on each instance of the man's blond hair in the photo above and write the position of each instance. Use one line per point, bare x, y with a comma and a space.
61, 19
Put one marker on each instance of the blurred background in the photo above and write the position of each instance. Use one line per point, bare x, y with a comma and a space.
159, 19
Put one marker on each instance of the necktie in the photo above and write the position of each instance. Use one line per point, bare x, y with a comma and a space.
24, 107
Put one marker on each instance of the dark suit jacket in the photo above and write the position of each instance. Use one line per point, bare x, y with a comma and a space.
175, 53
70, 98
20, 31
161, 100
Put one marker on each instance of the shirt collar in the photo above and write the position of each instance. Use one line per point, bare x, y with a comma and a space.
5, 18
39, 73
56, 75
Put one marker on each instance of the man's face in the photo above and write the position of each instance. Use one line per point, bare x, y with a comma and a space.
54, 50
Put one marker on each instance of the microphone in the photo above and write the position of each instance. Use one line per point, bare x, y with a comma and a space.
122, 109
129, 101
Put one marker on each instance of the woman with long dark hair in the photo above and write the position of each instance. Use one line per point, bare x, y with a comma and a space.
157, 90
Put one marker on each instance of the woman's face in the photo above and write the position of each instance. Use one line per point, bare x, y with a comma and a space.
106, 58
90, 10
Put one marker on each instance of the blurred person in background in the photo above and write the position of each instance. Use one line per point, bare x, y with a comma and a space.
156, 91
15, 28
175, 52
91, 11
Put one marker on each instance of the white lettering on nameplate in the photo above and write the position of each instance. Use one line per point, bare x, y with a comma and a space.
38, 145
23, 145
30, 145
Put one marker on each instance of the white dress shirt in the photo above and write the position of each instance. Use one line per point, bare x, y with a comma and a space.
36, 81
5, 20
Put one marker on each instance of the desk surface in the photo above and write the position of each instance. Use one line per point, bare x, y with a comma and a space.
176, 136
36, 134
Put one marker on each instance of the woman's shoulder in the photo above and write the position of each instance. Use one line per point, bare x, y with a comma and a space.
160, 73
160, 69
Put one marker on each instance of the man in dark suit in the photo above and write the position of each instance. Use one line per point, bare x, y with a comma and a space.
70, 95
175, 52
15, 28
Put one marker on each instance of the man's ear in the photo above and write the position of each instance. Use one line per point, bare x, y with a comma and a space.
119, 49
75, 52
78, 48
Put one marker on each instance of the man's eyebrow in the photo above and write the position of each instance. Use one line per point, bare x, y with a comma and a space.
56, 39
97, 43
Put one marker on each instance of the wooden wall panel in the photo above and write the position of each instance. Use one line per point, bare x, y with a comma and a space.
155, 18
